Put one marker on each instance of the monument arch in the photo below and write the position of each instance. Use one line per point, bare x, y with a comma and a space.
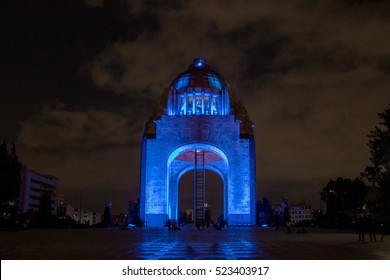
198, 125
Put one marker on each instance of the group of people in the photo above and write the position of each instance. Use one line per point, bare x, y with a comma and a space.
202, 225
367, 224
218, 226
172, 225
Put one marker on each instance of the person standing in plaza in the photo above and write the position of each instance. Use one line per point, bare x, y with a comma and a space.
287, 218
288, 227
277, 221
371, 226
361, 228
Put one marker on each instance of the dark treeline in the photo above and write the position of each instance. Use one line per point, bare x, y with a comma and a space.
368, 195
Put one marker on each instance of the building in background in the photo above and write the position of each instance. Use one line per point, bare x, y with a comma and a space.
64, 209
118, 219
133, 211
87, 217
67, 211
278, 208
300, 212
34, 186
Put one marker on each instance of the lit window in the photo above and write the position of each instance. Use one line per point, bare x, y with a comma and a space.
182, 106
189, 107
214, 81
214, 110
206, 101
198, 101
182, 81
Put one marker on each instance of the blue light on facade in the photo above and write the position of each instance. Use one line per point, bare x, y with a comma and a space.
214, 81
199, 62
182, 82
197, 116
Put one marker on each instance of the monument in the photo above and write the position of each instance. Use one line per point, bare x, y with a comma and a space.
199, 125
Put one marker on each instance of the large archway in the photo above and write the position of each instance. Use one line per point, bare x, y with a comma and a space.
214, 208
182, 160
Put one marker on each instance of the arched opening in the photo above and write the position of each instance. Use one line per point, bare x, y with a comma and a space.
214, 197
200, 159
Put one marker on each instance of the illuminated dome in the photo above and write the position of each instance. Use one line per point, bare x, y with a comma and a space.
198, 91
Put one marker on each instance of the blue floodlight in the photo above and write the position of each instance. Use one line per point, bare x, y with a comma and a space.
199, 62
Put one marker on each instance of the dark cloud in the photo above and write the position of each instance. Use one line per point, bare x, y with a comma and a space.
313, 77
45, 47
85, 131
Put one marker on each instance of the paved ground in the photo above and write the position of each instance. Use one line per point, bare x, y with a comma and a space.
188, 243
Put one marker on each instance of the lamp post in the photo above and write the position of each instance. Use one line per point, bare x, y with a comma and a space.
81, 203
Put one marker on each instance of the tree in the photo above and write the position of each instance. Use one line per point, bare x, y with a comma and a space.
10, 181
44, 214
345, 199
379, 172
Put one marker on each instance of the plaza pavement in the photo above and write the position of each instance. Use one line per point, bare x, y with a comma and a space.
158, 243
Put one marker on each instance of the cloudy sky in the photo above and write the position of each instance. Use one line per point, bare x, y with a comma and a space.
79, 78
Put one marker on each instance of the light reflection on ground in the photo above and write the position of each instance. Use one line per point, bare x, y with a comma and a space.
188, 243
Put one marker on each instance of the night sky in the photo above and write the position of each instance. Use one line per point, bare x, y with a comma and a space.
79, 78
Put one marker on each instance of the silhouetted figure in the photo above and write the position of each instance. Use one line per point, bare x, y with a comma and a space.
302, 230
277, 221
384, 230
203, 224
288, 227
198, 226
107, 218
169, 224
371, 226
173, 226
361, 229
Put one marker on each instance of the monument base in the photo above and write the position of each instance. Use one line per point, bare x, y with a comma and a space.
155, 220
